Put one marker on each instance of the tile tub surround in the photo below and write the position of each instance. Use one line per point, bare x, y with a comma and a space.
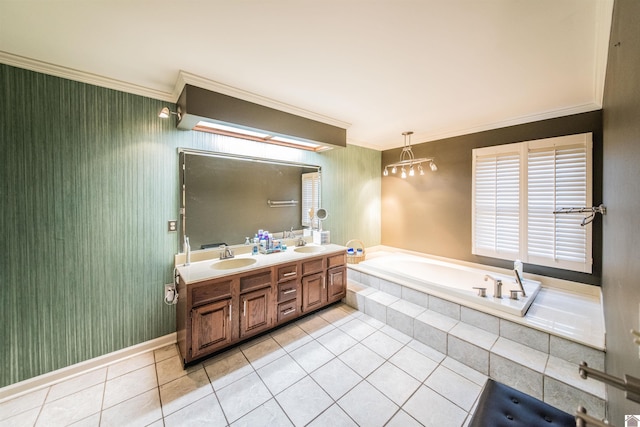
338, 366
531, 360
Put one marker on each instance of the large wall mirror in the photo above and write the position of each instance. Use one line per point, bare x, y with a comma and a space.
226, 198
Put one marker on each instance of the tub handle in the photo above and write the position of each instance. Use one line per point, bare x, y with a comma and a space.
514, 294
482, 292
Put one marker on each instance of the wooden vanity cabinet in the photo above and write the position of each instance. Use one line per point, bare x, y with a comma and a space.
336, 277
214, 314
288, 298
314, 287
204, 317
256, 314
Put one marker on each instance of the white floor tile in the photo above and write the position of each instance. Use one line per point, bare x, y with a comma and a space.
72, 408
228, 369
203, 412
334, 417
23, 419
454, 387
382, 344
243, 396
31, 400
281, 373
304, 401
142, 409
336, 378
311, 356
358, 329
337, 341
263, 353
184, 391
361, 359
414, 363
129, 385
291, 337
129, 365
394, 383
433, 410
402, 419
367, 406
73, 385
269, 414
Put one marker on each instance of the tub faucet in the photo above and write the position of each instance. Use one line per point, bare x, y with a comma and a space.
226, 252
519, 281
497, 286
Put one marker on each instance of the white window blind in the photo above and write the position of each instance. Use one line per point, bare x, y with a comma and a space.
558, 176
496, 203
310, 198
516, 189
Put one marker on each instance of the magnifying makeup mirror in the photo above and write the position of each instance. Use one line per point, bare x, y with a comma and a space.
321, 214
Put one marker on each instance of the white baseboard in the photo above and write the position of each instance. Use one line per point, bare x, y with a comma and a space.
59, 375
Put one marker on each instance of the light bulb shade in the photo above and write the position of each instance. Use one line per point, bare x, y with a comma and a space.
433, 166
411, 171
164, 113
394, 170
404, 174
421, 170
386, 172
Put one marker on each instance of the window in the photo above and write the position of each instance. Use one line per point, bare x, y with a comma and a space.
310, 198
516, 189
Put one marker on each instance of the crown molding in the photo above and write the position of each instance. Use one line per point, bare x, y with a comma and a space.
204, 83
419, 138
81, 76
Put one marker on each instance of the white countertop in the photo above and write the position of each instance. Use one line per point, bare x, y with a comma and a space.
203, 270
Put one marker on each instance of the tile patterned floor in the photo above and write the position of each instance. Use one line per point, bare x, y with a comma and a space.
338, 367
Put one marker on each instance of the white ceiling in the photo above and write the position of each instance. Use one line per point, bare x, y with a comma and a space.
439, 68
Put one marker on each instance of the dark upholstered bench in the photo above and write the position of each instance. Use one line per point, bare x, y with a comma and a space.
502, 406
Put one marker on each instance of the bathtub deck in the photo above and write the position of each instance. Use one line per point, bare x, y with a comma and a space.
538, 354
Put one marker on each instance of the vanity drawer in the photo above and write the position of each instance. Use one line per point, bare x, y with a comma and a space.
257, 280
287, 290
287, 310
312, 266
336, 260
209, 292
287, 272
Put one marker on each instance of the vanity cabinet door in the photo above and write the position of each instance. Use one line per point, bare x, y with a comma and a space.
255, 314
211, 328
337, 283
314, 292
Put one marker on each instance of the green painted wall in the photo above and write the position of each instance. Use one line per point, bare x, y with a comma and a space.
88, 182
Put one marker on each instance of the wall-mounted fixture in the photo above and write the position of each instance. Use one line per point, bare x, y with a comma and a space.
409, 161
207, 111
165, 113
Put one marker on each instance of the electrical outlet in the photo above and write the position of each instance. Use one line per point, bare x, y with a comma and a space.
170, 295
173, 225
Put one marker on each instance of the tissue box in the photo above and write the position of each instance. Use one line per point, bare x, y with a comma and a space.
321, 237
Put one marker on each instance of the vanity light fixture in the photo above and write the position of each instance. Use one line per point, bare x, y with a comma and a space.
240, 132
408, 159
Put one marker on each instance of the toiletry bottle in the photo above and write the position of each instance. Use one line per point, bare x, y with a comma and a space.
254, 251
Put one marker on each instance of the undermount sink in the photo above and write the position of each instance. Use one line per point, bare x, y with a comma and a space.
309, 249
228, 264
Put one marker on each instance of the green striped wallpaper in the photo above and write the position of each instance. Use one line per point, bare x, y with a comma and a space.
88, 183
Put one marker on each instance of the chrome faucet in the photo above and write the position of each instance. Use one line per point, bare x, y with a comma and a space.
497, 286
226, 252
519, 281
187, 251
301, 241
